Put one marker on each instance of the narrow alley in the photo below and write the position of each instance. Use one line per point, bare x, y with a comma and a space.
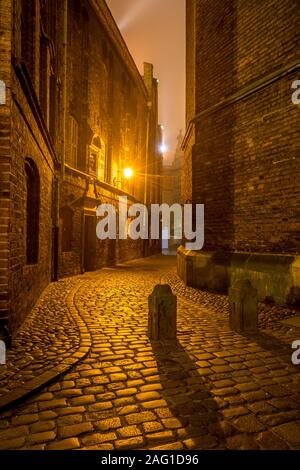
149, 230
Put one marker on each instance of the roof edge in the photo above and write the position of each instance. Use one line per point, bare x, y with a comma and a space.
107, 20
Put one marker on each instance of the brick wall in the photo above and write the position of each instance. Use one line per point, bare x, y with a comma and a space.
27, 281
5, 125
22, 135
186, 179
246, 155
4, 190
108, 98
5, 207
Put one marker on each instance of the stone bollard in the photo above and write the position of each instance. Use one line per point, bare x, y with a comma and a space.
162, 313
243, 302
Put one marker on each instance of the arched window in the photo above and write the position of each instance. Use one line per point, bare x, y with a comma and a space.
66, 216
97, 158
32, 211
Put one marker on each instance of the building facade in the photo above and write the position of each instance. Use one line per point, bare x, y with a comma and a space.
172, 191
74, 113
242, 144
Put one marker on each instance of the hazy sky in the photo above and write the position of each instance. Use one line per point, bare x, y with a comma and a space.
154, 31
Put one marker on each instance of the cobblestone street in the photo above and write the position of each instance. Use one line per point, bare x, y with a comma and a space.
212, 389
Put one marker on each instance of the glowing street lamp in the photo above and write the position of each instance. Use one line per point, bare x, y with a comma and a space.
163, 148
128, 173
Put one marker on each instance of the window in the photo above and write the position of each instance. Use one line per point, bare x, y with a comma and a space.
97, 158
45, 77
47, 63
28, 32
32, 211
93, 159
74, 141
52, 110
66, 216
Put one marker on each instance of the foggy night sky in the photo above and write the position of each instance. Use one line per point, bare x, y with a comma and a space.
154, 31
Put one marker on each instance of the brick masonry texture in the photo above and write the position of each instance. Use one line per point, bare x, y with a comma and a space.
5, 125
244, 152
106, 99
186, 184
49, 337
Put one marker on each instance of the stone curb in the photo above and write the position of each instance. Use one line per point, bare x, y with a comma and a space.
16, 396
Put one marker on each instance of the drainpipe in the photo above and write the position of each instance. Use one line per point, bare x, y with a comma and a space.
64, 87
55, 234
60, 177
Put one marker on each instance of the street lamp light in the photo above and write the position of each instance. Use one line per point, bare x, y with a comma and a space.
128, 173
163, 148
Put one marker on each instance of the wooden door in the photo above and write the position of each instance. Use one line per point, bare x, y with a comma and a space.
90, 240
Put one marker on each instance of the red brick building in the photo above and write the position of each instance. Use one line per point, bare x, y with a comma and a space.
75, 113
242, 144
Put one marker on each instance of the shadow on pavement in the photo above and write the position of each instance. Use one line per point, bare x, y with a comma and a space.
268, 342
187, 394
124, 267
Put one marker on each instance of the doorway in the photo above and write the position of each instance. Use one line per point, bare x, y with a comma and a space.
90, 240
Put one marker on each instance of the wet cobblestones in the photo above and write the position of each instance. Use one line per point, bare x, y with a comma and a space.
48, 337
210, 389
268, 315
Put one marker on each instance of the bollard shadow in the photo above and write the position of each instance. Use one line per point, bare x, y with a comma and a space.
132, 268
268, 342
187, 395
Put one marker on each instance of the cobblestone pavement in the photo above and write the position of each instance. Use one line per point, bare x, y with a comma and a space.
212, 389
47, 338
268, 313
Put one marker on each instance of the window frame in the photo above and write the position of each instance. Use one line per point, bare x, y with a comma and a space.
32, 183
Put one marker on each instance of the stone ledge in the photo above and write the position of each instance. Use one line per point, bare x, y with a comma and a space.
276, 277
18, 395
